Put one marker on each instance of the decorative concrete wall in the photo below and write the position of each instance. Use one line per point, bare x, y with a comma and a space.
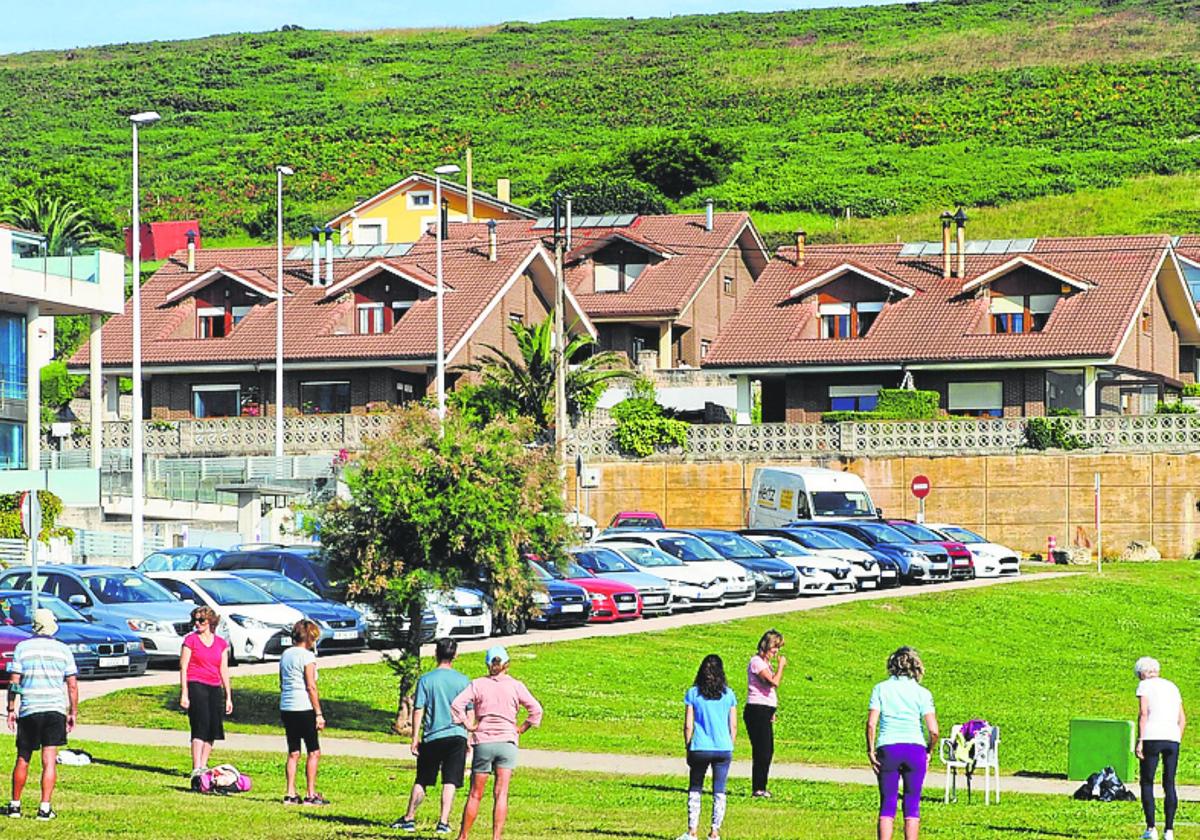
1018, 500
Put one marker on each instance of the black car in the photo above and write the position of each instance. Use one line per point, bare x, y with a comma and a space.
302, 564
771, 576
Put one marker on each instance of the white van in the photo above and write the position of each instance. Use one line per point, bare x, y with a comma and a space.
780, 495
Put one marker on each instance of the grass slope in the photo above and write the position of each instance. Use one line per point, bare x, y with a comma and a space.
876, 110
139, 792
1029, 656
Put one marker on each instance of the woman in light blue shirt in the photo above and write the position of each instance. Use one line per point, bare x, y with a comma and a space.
897, 745
709, 731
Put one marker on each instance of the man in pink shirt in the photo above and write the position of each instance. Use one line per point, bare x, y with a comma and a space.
489, 708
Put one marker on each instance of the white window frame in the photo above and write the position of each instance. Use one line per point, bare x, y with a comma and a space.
412, 195
378, 226
612, 277
705, 346
239, 312
728, 284
236, 389
854, 390
985, 395
376, 313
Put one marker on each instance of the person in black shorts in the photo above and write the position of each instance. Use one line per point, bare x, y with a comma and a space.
300, 710
439, 744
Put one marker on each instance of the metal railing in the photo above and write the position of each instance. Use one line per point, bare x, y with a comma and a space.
197, 479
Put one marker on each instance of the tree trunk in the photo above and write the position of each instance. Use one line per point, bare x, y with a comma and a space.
410, 668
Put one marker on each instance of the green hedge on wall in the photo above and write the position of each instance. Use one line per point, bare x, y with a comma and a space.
894, 404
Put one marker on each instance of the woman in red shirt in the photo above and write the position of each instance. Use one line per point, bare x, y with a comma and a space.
204, 691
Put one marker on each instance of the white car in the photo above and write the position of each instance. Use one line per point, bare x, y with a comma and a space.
991, 559
865, 570
692, 587
462, 613
818, 574
739, 585
257, 624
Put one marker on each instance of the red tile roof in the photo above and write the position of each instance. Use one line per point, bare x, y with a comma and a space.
939, 323
472, 282
1189, 247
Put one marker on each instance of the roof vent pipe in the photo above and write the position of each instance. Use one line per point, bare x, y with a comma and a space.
570, 223
504, 190
191, 238
960, 219
947, 218
708, 214
328, 255
316, 254
801, 238
491, 240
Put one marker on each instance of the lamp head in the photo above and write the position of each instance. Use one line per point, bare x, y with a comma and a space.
447, 169
285, 170
145, 118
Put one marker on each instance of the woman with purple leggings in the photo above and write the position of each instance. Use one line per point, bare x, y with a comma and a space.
897, 745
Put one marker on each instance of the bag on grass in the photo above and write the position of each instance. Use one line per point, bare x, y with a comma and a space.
1105, 786
74, 757
223, 779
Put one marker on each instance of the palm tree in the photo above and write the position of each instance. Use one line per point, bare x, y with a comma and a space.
526, 383
62, 222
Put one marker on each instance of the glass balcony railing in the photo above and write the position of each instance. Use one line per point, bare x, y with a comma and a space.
84, 267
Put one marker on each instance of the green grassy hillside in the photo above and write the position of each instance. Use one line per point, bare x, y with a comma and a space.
881, 111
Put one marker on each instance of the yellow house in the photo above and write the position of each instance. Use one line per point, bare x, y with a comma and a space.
406, 209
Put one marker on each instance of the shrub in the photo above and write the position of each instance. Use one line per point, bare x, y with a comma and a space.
1050, 433
58, 386
602, 193
643, 425
1192, 389
10, 517
893, 404
1063, 412
1174, 408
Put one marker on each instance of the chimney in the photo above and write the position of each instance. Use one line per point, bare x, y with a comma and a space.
947, 218
708, 214
444, 219
801, 238
316, 249
328, 255
960, 219
504, 190
470, 187
191, 238
491, 240
570, 222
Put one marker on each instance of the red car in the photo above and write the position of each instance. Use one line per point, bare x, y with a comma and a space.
10, 637
639, 519
612, 600
962, 564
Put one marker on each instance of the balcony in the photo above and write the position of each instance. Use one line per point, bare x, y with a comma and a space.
60, 285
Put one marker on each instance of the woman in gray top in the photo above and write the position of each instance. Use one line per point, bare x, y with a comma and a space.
300, 709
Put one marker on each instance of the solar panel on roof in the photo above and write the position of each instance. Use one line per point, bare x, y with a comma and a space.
399, 249
625, 220
997, 246
379, 250
608, 221
543, 223
1020, 246
977, 246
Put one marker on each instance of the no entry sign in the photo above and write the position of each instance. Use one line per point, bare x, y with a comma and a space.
920, 486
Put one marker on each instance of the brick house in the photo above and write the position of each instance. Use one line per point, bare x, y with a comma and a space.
1099, 325
358, 331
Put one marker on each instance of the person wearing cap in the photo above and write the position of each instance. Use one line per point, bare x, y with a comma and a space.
489, 708
43, 679
439, 743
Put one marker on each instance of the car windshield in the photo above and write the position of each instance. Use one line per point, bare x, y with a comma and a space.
689, 548
733, 546
231, 591
546, 571
574, 570
127, 588
648, 556
917, 532
884, 533
606, 561
962, 534
845, 540
841, 503
818, 540
18, 609
283, 588
781, 547
636, 521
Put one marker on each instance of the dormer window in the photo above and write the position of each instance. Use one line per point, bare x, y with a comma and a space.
1020, 313
848, 320
211, 322
617, 277
370, 318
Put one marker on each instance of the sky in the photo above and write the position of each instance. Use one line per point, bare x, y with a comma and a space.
62, 24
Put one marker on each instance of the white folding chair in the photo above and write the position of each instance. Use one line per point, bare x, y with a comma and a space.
986, 756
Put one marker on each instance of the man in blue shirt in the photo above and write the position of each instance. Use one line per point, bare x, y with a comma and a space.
40, 667
437, 741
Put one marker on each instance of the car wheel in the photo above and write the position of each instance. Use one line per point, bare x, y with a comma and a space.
232, 659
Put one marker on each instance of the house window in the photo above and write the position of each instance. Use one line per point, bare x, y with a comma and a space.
516, 318
853, 397
400, 309
331, 397
1021, 313
418, 200
369, 234
216, 400
976, 399
370, 318
210, 322
704, 345
1147, 321
12, 445
240, 312
1066, 389
405, 392
865, 314
848, 320
617, 277
727, 284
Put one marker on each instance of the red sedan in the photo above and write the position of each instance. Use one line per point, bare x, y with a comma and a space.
962, 564
9, 638
612, 600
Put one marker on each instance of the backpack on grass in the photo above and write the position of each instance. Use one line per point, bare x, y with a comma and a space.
223, 779
1105, 786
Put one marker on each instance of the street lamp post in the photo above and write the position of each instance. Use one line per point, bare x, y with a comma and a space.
137, 502
439, 171
280, 171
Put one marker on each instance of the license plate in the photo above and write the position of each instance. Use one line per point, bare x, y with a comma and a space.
572, 608
345, 634
785, 586
889, 573
113, 661
868, 584
653, 601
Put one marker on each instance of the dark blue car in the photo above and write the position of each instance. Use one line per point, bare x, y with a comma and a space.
99, 650
917, 563
342, 628
771, 576
559, 603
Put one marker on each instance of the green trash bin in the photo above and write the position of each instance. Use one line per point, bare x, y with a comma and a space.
1096, 744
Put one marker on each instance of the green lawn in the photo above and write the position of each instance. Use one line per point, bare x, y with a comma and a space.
139, 792
1029, 656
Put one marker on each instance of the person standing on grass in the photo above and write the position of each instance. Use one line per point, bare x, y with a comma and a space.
709, 732
494, 702
761, 705
897, 746
42, 676
439, 743
204, 690
300, 710
1161, 722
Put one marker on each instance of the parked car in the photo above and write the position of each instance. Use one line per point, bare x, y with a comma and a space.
559, 603
461, 613
99, 650
694, 586
302, 564
739, 586
891, 567
637, 519
259, 624
611, 600
991, 559
962, 565
779, 495
10, 637
603, 562
819, 575
771, 576
116, 597
865, 567
193, 559
378, 634
920, 563
342, 628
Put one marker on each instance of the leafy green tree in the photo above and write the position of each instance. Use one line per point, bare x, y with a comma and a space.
600, 193
62, 222
58, 387
678, 165
426, 511
524, 385
643, 425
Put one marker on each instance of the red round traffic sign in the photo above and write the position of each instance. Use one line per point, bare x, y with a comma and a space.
921, 486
